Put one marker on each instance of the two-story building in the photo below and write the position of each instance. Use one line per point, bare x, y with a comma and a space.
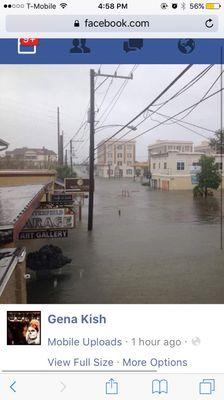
116, 159
32, 158
174, 164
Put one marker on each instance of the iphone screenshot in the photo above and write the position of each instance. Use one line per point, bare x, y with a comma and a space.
111, 200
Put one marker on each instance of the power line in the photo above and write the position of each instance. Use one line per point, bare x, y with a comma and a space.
150, 105
116, 97
176, 95
174, 116
184, 122
189, 84
206, 93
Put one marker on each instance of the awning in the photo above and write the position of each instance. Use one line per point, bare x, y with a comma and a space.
17, 204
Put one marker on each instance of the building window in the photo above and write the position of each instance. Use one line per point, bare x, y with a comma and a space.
119, 155
195, 164
154, 166
109, 155
129, 171
129, 146
180, 166
165, 165
129, 155
119, 163
119, 147
129, 163
110, 162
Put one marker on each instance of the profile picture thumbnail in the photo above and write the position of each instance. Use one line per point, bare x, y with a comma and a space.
23, 328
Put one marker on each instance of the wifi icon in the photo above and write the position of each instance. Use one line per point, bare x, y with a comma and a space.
63, 5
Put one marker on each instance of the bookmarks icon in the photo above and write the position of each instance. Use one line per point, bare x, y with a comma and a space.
160, 386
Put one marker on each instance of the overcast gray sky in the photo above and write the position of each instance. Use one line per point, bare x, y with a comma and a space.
29, 97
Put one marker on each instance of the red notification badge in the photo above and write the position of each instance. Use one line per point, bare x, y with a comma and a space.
29, 42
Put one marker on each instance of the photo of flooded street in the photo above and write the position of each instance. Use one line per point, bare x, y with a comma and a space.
163, 248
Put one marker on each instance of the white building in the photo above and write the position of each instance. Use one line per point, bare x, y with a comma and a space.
172, 167
116, 159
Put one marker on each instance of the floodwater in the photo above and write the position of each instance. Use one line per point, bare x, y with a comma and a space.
163, 248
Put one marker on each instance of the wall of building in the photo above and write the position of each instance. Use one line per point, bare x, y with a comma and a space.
119, 157
15, 291
11, 179
171, 178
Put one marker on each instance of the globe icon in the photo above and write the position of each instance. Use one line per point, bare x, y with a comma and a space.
186, 46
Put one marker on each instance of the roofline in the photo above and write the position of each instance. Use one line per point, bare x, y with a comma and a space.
170, 142
26, 214
35, 172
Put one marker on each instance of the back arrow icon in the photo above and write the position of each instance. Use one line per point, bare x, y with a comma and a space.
12, 387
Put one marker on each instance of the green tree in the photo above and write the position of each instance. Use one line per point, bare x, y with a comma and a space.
63, 171
217, 142
209, 177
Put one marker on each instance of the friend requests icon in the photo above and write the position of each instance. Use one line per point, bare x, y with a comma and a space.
207, 386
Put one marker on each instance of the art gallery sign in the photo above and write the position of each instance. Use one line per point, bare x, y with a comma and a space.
50, 218
48, 234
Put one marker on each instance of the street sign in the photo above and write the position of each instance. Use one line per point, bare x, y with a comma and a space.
62, 198
50, 234
76, 184
50, 218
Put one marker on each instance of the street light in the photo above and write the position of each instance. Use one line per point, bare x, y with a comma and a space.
131, 127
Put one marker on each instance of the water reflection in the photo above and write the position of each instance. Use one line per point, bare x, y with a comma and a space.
207, 210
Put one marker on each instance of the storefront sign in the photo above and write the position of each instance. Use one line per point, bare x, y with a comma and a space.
62, 198
194, 179
50, 218
75, 184
56, 234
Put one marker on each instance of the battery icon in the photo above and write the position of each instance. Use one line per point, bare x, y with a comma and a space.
213, 6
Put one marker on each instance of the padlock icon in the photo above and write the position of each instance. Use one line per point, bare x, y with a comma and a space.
76, 23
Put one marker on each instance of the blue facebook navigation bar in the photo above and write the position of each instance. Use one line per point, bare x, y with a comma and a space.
110, 51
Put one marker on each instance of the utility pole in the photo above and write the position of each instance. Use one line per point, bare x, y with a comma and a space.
71, 159
72, 151
61, 148
109, 172
93, 74
91, 148
66, 157
58, 133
